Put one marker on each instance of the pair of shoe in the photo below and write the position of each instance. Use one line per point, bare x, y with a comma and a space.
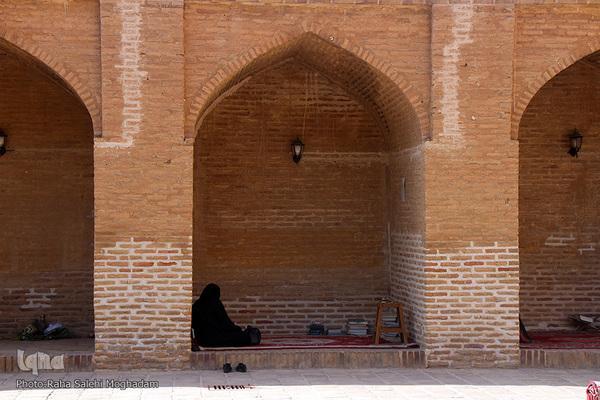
241, 367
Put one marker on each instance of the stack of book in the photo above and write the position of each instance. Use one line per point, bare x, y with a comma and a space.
316, 329
357, 327
390, 321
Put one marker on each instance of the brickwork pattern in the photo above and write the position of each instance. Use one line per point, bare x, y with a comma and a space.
559, 198
448, 75
405, 235
377, 92
471, 196
472, 305
552, 358
143, 191
292, 315
318, 358
459, 73
62, 296
407, 280
545, 46
304, 235
465, 190
132, 76
141, 289
65, 38
306, 30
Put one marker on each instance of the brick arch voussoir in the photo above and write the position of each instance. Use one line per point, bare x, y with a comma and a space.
582, 50
225, 73
70, 78
222, 76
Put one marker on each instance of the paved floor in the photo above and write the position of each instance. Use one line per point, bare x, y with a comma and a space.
326, 384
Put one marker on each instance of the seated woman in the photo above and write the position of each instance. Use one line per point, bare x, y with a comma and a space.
212, 326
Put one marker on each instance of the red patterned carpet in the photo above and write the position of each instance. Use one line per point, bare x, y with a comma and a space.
318, 342
563, 340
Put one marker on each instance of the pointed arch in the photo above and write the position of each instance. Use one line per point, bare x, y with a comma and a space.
379, 84
48, 221
582, 50
55, 70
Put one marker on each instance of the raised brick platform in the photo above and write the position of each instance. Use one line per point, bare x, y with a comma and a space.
560, 358
82, 359
311, 358
79, 355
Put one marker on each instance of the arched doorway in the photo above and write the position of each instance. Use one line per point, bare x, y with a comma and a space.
322, 240
559, 202
46, 199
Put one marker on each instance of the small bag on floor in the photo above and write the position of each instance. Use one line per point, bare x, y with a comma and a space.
254, 334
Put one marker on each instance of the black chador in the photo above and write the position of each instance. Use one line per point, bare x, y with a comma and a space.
212, 325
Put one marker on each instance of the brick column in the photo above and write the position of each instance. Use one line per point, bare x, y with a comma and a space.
471, 191
143, 190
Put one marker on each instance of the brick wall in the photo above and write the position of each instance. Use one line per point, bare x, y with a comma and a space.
207, 46
46, 240
545, 45
405, 247
213, 43
140, 286
407, 280
143, 189
298, 242
460, 74
471, 190
472, 295
65, 36
558, 201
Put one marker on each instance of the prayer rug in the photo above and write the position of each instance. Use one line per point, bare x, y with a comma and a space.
563, 340
319, 342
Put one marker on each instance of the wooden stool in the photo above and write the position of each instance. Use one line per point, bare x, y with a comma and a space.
400, 329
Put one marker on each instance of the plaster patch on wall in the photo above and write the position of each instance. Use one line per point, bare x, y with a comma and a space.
38, 299
164, 3
449, 75
132, 76
587, 248
559, 241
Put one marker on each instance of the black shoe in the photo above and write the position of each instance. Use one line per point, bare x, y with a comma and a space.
241, 367
227, 368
